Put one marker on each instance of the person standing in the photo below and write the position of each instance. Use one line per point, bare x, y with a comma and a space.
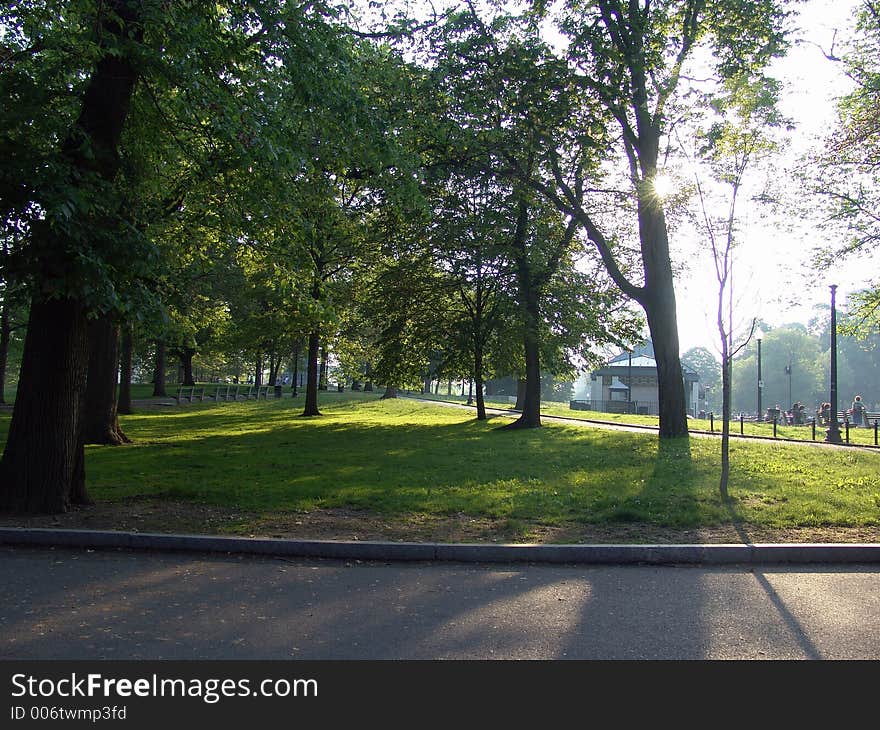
858, 411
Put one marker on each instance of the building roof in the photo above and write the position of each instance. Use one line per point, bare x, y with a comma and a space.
638, 361
641, 361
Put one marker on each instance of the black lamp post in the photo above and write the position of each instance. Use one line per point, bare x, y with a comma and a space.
788, 373
759, 335
832, 435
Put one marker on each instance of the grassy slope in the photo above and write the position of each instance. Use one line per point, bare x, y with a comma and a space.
398, 457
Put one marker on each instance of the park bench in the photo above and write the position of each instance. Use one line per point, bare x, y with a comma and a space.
234, 392
870, 417
223, 392
254, 391
245, 392
189, 392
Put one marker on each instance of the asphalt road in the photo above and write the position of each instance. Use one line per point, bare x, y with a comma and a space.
82, 604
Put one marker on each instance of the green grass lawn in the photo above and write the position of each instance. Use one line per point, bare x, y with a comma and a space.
862, 436
405, 457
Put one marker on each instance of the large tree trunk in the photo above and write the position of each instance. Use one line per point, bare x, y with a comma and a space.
186, 363
295, 378
520, 394
39, 466
670, 378
258, 370
390, 392
100, 422
531, 406
5, 334
311, 406
42, 469
159, 372
368, 386
125, 362
658, 300
274, 367
530, 416
322, 372
478, 377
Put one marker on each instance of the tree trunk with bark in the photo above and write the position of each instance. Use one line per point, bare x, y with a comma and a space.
322, 372
258, 370
186, 364
125, 368
5, 335
42, 467
274, 367
478, 377
530, 415
520, 394
295, 379
100, 421
658, 301
39, 467
528, 293
311, 406
390, 392
159, 371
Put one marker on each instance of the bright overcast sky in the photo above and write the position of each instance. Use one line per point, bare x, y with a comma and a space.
772, 264
772, 277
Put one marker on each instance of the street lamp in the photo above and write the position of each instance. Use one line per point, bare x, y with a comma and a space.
759, 335
788, 373
832, 435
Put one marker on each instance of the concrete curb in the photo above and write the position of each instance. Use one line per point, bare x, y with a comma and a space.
704, 554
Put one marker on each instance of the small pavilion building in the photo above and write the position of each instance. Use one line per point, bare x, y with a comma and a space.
628, 384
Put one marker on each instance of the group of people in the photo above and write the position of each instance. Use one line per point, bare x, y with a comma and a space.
856, 415
796, 415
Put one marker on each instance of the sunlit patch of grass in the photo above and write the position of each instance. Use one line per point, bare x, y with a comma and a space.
403, 457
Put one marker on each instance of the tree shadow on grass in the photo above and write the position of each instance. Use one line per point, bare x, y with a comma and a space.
463, 466
668, 495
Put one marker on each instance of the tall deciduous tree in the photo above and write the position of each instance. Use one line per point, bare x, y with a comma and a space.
42, 469
738, 138
469, 238
508, 98
630, 57
211, 73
